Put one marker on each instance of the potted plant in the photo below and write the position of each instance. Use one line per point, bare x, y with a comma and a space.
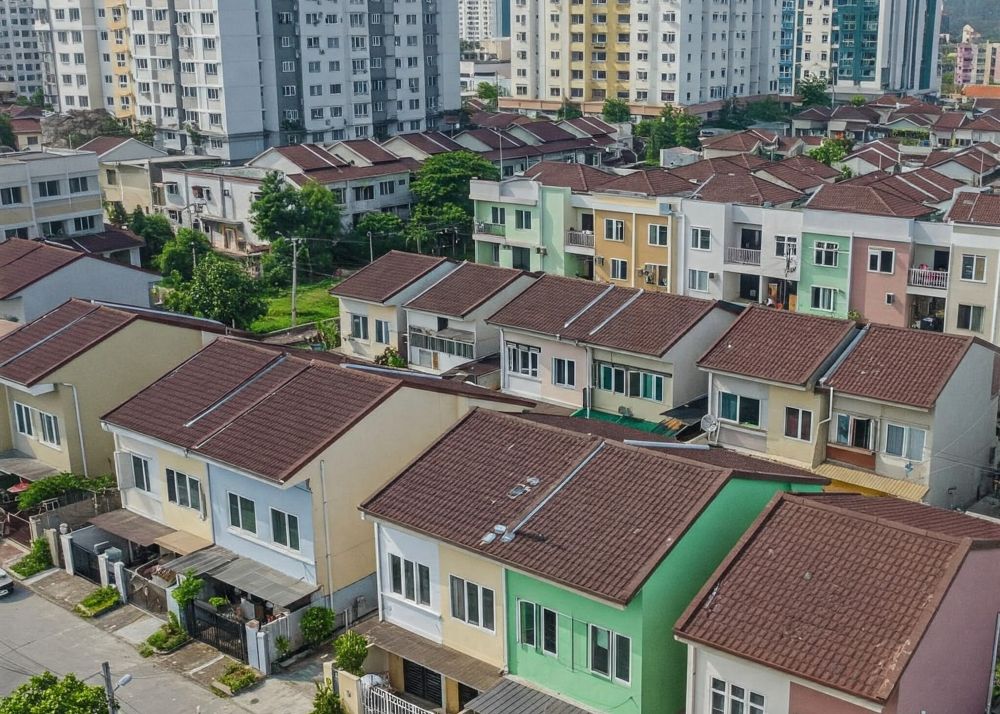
218, 602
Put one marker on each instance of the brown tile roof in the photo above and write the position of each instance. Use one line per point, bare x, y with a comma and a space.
758, 345
494, 139
838, 595
915, 515
387, 276
923, 184
701, 170
739, 141
547, 131
23, 262
102, 144
338, 174
26, 125
977, 208
498, 120
310, 157
431, 142
464, 289
809, 165
613, 317
38, 348
799, 180
848, 113
651, 182
644, 501
866, 199
876, 158
814, 114
576, 177
742, 187
979, 161
900, 365
108, 240
370, 150
591, 125
949, 121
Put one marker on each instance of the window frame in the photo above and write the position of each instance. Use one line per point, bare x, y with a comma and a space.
693, 285
816, 302
879, 254
518, 353
48, 429
146, 485
700, 235
974, 319
411, 577
359, 326
613, 639
383, 326
976, 261
279, 516
237, 504
662, 237
568, 369
618, 269
614, 230
22, 412
851, 430
526, 606
739, 409
823, 249
800, 412
172, 488
785, 242
907, 443
522, 219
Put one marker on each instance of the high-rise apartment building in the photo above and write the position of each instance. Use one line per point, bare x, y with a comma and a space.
480, 20
812, 45
887, 46
977, 63
21, 68
73, 38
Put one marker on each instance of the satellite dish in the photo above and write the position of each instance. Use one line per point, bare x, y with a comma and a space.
709, 424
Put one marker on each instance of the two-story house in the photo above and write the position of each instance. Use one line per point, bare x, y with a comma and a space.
260, 454
846, 604
974, 274
563, 560
762, 374
62, 371
446, 323
372, 317
919, 407
606, 349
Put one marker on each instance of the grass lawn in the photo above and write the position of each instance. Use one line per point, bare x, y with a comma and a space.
314, 303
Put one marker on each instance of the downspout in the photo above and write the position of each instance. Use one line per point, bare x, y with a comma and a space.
711, 403
326, 533
588, 396
635, 254
79, 428
378, 569
504, 377
996, 296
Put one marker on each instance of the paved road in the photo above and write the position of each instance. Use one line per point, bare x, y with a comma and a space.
36, 635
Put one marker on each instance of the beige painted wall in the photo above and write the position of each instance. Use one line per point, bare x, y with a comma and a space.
54, 209
637, 252
641, 408
369, 349
198, 523
473, 641
131, 187
969, 292
812, 452
64, 457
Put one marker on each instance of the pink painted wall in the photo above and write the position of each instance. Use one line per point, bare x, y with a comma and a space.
803, 700
868, 289
950, 671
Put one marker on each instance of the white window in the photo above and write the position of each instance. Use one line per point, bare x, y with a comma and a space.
823, 298
522, 359
619, 269
974, 268
798, 423
970, 317
738, 409
856, 432
825, 253
610, 654
242, 513
659, 235
50, 428
382, 331
183, 490
698, 280
22, 415
614, 229
285, 529
498, 215
410, 580
359, 327
522, 220
78, 184
472, 603
732, 699
140, 473
701, 238
905, 442
563, 372
880, 260
786, 246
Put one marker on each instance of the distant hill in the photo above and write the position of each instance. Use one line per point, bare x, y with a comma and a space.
984, 15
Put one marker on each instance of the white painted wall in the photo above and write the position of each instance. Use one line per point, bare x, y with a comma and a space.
420, 619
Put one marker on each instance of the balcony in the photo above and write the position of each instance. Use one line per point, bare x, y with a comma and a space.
742, 256
580, 239
490, 230
922, 278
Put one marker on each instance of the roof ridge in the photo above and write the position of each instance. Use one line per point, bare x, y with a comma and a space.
51, 335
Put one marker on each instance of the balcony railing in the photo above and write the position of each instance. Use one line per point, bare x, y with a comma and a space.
921, 278
493, 229
742, 256
382, 701
581, 239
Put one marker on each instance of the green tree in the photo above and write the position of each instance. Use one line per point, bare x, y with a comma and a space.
433, 224
444, 178
144, 131
220, 290
47, 694
765, 110
6, 132
116, 213
857, 100
319, 223
388, 232
831, 151
616, 111
812, 91
177, 260
674, 127
568, 110
326, 700
156, 230
276, 209
489, 93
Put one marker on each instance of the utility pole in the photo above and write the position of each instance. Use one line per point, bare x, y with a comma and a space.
295, 277
109, 688
371, 249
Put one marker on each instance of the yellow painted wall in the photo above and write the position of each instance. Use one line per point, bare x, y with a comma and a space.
180, 517
64, 457
368, 349
635, 248
53, 209
473, 641
15, 216
131, 187
970, 292
606, 401
811, 453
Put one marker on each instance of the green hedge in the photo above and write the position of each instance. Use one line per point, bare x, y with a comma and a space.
39, 558
169, 637
238, 677
99, 601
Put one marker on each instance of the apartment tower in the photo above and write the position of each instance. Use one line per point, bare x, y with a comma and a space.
21, 68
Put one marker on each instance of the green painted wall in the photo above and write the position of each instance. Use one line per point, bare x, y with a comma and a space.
811, 274
658, 661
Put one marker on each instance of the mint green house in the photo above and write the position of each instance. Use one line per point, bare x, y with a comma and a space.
824, 275
595, 547
541, 220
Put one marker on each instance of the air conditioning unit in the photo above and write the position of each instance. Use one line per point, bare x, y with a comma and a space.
713, 276
541, 250
890, 298
599, 260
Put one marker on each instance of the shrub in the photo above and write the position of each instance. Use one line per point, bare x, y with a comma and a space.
146, 650
57, 485
238, 677
169, 637
326, 700
188, 590
282, 644
317, 625
39, 558
218, 602
100, 600
351, 649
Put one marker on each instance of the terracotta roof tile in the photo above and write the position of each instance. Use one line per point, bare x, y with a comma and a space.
370, 150
464, 289
102, 144
743, 187
798, 180
23, 262
814, 114
915, 515
701, 170
949, 121
431, 142
547, 305
387, 276
811, 166
576, 177
643, 500
310, 157
591, 125
651, 324
651, 182
757, 345
923, 185
108, 240
899, 365
547, 131
830, 594
870, 200
977, 208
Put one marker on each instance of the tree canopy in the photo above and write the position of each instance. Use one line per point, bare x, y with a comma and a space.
220, 290
674, 127
177, 261
275, 211
76, 127
6, 132
444, 178
155, 229
569, 110
831, 151
812, 91
47, 694
489, 93
616, 111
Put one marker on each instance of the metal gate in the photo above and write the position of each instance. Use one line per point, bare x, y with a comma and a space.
146, 594
85, 563
225, 635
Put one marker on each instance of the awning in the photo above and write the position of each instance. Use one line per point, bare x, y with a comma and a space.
131, 526
510, 696
872, 482
182, 542
29, 468
452, 664
263, 582
200, 562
